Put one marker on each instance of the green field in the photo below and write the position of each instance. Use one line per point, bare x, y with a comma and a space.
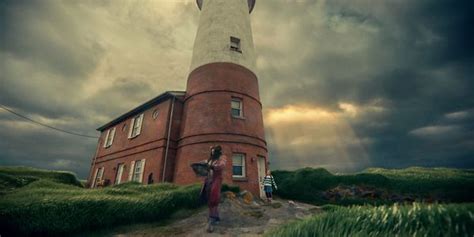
421, 184
47, 203
43, 202
405, 220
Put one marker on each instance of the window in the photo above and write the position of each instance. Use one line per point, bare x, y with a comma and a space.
235, 44
109, 138
236, 105
155, 114
118, 177
238, 165
98, 176
136, 126
136, 170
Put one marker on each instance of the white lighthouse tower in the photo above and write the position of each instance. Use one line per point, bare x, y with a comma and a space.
222, 103
220, 20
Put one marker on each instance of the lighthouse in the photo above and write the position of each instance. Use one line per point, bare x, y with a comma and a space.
222, 103
158, 140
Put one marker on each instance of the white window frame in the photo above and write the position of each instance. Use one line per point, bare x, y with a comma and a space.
242, 155
109, 138
241, 113
118, 177
138, 170
99, 174
135, 126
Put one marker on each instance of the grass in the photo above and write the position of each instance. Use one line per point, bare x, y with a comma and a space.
406, 220
54, 204
308, 184
12, 177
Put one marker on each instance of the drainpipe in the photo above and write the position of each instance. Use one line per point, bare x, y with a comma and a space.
168, 140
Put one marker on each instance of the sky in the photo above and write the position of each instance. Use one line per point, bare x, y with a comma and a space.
345, 85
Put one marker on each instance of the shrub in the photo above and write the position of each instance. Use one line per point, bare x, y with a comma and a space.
231, 188
308, 185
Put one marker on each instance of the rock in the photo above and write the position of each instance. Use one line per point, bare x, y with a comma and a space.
291, 203
276, 204
247, 197
229, 195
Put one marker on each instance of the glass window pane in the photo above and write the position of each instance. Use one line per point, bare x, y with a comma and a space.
235, 112
237, 160
235, 104
237, 170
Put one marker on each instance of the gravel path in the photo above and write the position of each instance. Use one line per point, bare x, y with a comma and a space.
238, 219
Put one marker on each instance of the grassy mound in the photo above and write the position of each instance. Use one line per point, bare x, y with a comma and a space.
408, 220
48, 207
16, 176
309, 185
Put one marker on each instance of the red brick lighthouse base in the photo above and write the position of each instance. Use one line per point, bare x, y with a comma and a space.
222, 106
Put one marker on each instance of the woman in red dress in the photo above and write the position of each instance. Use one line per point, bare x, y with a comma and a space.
216, 164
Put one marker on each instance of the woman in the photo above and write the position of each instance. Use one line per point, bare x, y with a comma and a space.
216, 164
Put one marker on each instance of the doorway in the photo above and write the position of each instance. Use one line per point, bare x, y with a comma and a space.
261, 174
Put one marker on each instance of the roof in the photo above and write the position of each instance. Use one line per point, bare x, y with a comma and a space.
163, 97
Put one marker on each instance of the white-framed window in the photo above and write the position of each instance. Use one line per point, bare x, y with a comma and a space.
118, 177
136, 170
155, 114
99, 174
109, 138
235, 44
135, 126
238, 165
236, 107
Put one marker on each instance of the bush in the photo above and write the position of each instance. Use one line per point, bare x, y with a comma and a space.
231, 188
308, 184
410, 220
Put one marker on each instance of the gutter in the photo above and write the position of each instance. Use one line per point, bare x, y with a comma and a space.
168, 140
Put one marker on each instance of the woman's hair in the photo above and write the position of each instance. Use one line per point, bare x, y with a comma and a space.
217, 152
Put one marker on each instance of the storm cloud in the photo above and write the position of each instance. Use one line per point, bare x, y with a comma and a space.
345, 85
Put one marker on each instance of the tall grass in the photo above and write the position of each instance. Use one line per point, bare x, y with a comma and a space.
45, 207
308, 184
407, 220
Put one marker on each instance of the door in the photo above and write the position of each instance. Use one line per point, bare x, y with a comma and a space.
261, 174
118, 178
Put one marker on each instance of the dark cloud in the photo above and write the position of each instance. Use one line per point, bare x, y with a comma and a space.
396, 76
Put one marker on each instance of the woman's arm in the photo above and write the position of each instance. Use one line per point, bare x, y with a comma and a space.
220, 163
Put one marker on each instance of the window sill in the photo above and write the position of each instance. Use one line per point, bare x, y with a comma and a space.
238, 117
235, 50
240, 179
133, 137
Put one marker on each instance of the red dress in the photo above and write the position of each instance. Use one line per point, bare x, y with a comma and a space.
214, 180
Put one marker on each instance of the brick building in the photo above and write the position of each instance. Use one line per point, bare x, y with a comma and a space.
159, 140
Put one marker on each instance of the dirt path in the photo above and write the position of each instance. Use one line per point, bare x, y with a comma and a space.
239, 218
